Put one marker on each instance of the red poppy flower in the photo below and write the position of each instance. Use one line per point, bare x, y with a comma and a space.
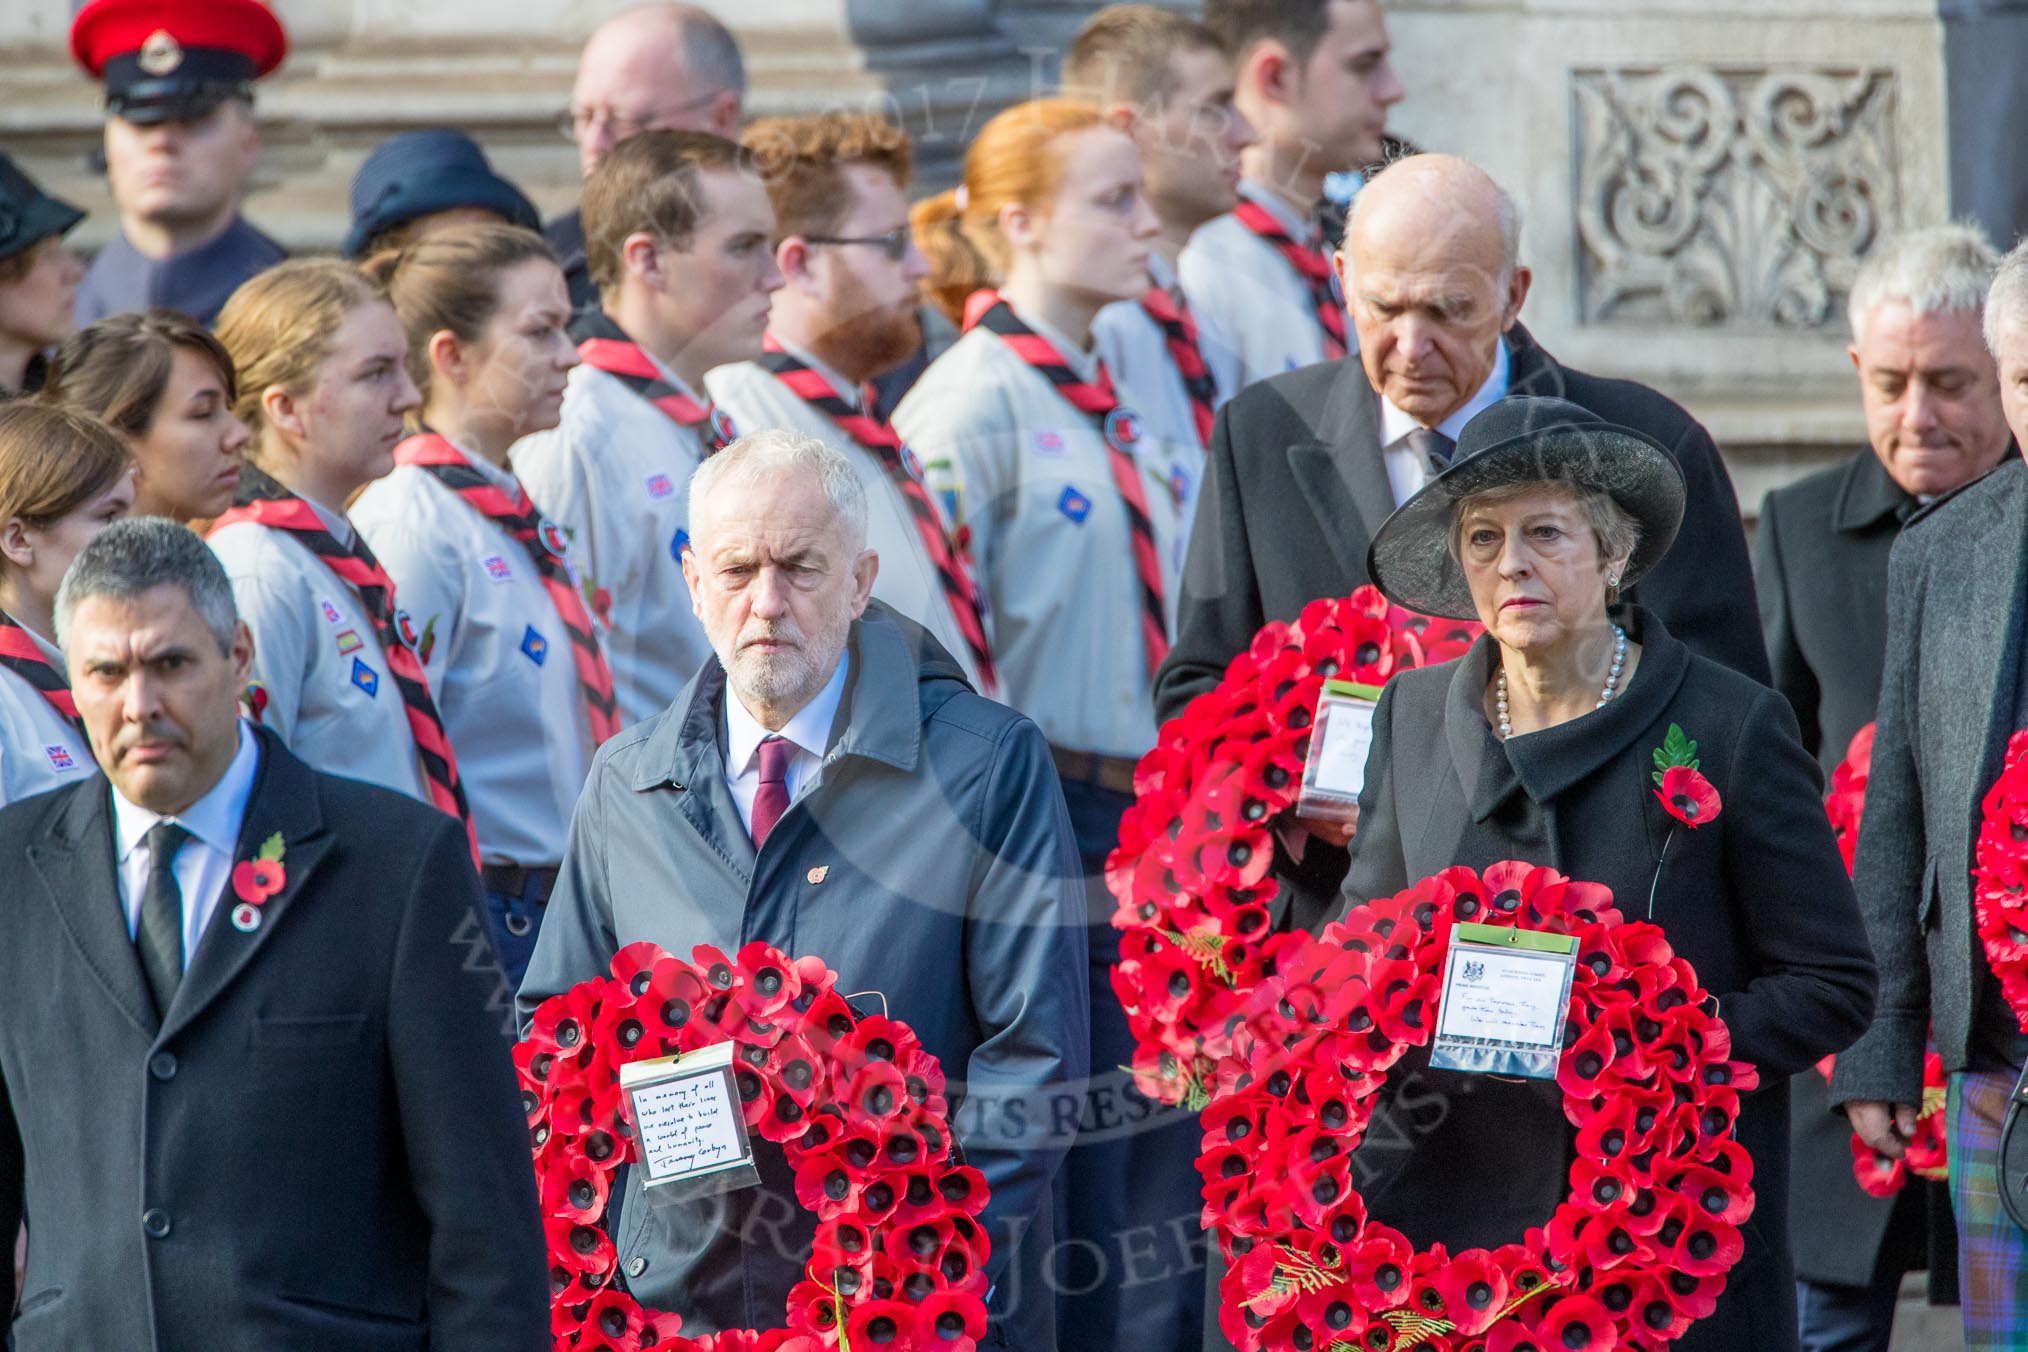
1578, 1323
1688, 796
1377, 1267
615, 1316
578, 1247
255, 880
576, 1191
950, 1321
768, 980
1474, 1290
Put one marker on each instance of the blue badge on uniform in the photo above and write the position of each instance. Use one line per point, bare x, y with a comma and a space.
1074, 505
676, 543
534, 646
365, 677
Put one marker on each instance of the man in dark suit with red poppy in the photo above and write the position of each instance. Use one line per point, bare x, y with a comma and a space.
251, 1097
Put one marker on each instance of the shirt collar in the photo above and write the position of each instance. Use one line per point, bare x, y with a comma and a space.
500, 477
1394, 424
1163, 273
44, 646
215, 818
840, 386
809, 731
1291, 220
334, 522
1082, 361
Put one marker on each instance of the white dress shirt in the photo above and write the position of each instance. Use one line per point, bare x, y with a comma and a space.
1031, 476
204, 865
1258, 309
755, 398
500, 668
615, 474
332, 698
809, 733
40, 749
1406, 472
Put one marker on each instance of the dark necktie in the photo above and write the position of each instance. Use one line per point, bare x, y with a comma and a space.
772, 800
1432, 448
159, 935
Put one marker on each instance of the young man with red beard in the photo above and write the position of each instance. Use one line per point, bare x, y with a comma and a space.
845, 314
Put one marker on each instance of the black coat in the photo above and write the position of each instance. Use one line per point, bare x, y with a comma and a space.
324, 1130
1295, 489
1820, 567
1757, 900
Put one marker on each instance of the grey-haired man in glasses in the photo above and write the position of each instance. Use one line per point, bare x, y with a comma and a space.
653, 67
846, 314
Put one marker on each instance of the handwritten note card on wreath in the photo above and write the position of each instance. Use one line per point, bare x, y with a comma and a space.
688, 1123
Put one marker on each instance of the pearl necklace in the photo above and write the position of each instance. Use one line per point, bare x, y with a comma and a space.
1611, 684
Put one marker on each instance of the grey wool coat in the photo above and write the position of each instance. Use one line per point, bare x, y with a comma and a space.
1956, 584
950, 894
1757, 900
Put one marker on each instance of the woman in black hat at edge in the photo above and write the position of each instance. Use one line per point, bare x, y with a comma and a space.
1539, 745
38, 278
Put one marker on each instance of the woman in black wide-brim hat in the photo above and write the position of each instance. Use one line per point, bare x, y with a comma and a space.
38, 278
1540, 744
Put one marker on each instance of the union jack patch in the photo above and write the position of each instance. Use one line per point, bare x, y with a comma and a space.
497, 569
60, 757
660, 487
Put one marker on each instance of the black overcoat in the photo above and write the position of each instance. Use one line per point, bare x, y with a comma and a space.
1757, 900
1820, 568
320, 1145
1295, 488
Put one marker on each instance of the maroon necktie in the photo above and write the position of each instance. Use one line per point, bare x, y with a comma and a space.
772, 799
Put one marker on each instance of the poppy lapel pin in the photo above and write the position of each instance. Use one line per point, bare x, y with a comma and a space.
255, 880
818, 874
1683, 791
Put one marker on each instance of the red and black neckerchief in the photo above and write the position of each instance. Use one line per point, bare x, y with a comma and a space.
602, 346
267, 503
1310, 264
22, 655
1120, 428
544, 543
1179, 333
880, 440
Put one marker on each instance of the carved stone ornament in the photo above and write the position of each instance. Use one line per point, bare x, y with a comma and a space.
1731, 199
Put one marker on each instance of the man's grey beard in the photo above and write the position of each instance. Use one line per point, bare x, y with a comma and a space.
786, 678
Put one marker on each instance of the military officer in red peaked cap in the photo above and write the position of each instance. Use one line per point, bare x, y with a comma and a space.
181, 145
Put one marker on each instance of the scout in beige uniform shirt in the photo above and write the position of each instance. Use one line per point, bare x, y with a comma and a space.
907, 580
615, 474
40, 749
1030, 476
1246, 293
500, 664
1136, 351
330, 695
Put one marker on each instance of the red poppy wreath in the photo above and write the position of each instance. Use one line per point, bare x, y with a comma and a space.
854, 1101
1191, 873
2000, 878
1638, 1250
1926, 1155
